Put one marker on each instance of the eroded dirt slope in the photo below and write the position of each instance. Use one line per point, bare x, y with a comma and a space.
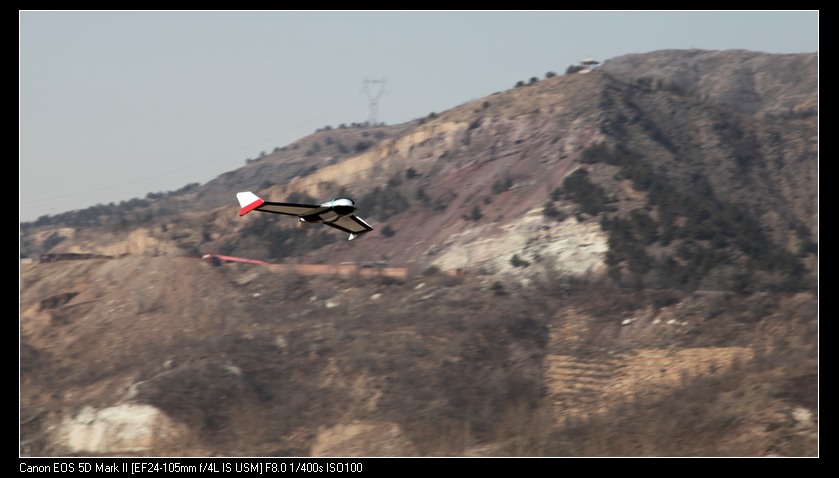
196, 360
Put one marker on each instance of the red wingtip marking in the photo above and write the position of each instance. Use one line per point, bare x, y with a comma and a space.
250, 207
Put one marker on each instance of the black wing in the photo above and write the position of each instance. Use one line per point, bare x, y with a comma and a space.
250, 202
352, 224
291, 209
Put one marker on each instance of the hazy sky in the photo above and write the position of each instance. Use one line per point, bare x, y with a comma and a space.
114, 105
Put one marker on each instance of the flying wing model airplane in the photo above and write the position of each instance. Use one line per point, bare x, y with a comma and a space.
338, 213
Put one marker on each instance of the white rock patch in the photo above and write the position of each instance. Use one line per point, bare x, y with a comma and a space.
117, 429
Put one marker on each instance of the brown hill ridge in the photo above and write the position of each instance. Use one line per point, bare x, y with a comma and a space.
748, 82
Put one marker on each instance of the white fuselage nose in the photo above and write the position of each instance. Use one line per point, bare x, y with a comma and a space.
337, 208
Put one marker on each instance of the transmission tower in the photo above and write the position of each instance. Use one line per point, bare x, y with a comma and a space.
373, 99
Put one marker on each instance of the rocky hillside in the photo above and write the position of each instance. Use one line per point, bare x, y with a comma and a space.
635, 248
524, 171
162, 356
747, 82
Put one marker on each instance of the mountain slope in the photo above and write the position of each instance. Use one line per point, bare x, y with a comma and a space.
588, 256
751, 83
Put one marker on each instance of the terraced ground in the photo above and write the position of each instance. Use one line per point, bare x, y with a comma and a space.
583, 387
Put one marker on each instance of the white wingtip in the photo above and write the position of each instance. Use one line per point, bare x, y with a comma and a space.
246, 198
248, 201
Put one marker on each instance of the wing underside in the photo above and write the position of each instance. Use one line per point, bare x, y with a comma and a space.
351, 224
291, 209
